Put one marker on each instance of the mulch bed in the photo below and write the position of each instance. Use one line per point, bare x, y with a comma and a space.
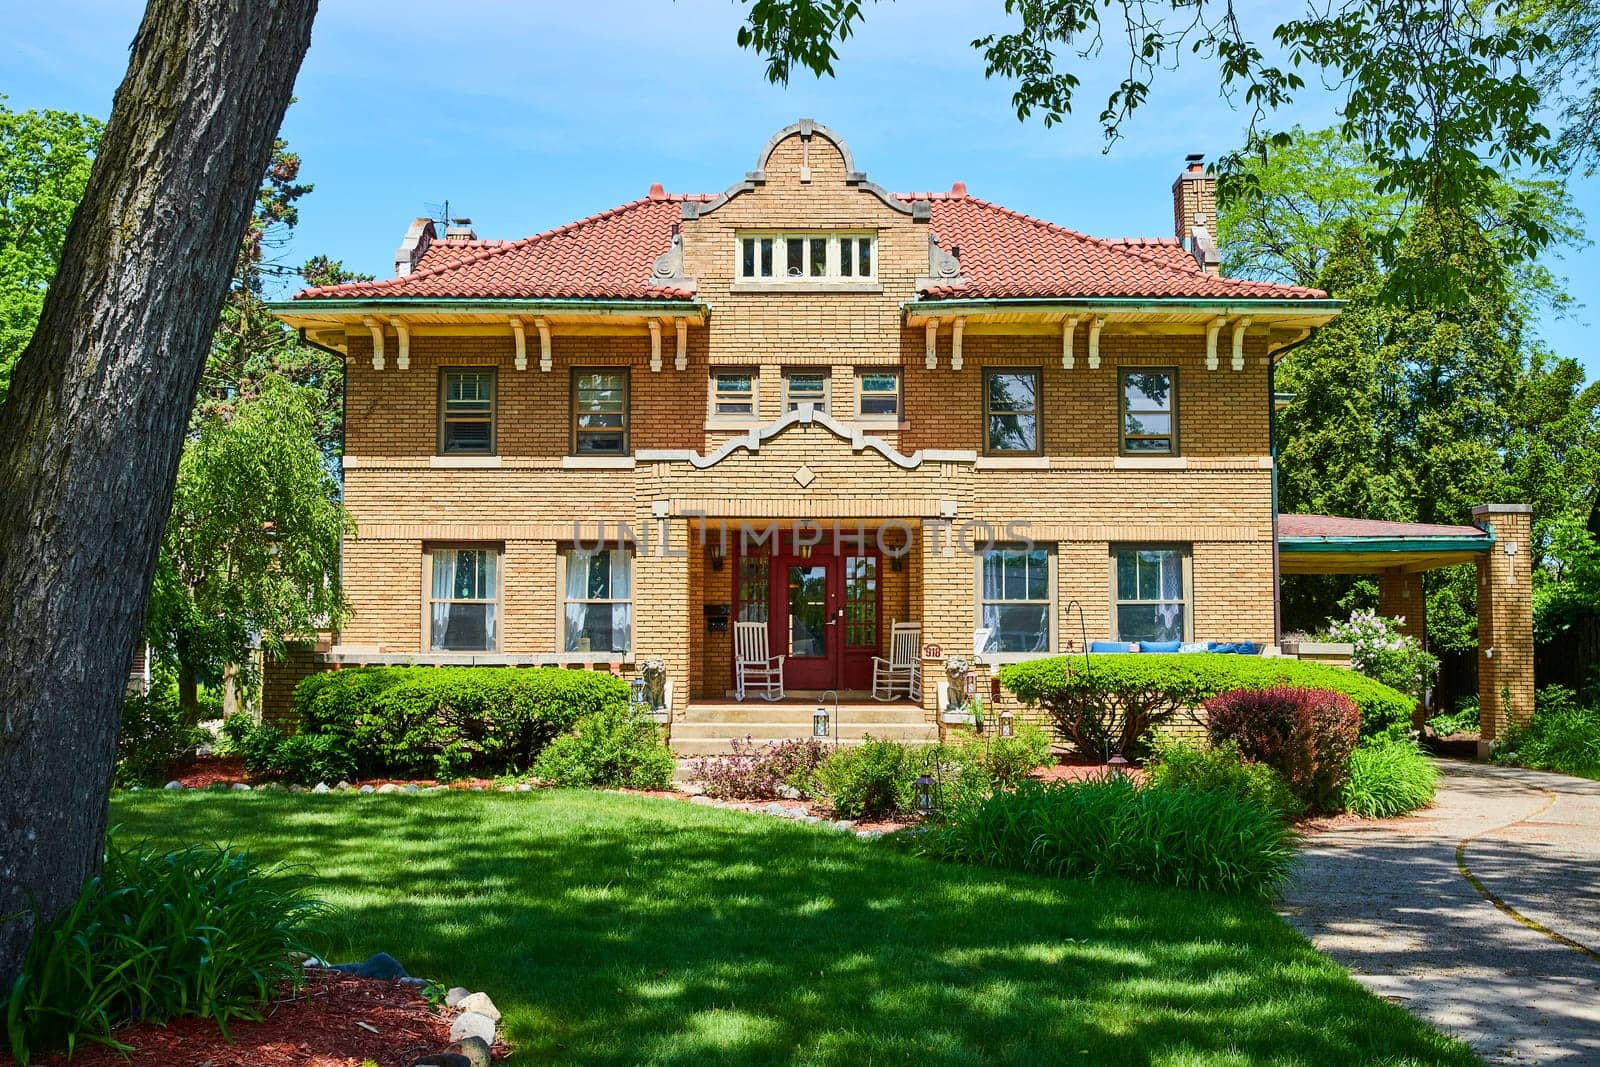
316, 1027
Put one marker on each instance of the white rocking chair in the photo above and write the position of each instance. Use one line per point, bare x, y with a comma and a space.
902, 671
753, 668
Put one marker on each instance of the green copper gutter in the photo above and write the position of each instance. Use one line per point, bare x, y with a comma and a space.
498, 305
1386, 544
1123, 303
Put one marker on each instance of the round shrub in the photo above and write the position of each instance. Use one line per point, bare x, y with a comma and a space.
1184, 764
449, 721
1389, 779
870, 780
1109, 703
154, 735
614, 747
1306, 735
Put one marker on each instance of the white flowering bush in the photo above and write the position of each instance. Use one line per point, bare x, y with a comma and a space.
1385, 654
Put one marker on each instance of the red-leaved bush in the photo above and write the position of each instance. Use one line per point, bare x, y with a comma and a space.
755, 772
1306, 735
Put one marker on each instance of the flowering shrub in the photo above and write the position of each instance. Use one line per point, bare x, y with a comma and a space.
755, 772
1383, 653
1306, 735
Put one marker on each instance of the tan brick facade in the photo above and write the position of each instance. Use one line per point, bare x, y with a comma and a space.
1505, 620
1081, 497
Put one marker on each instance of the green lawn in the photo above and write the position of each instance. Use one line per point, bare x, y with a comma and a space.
619, 929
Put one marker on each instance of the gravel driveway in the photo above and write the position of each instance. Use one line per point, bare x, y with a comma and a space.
1520, 982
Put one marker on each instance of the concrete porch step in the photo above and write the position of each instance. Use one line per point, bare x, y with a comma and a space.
715, 747
683, 731
755, 711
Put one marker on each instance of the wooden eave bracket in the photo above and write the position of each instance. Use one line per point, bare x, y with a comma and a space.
1068, 328
931, 330
1238, 343
655, 345
377, 327
955, 343
681, 361
521, 339
1213, 328
1095, 325
545, 362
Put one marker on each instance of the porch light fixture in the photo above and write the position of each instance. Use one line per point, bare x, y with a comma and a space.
819, 722
716, 557
1006, 724
924, 786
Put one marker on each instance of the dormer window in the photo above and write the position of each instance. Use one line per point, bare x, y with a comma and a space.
809, 256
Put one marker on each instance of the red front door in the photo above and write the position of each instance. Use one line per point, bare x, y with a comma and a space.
822, 616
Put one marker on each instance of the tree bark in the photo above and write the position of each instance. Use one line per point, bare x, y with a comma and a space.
92, 428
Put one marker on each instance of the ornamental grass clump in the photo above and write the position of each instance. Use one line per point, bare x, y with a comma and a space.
1306, 735
1112, 827
1563, 736
200, 931
1388, 780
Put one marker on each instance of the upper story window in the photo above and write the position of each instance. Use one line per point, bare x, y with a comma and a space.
807, 256
466, 411
600, 412
1011, 409
805, 387
1149, 412
878, 394
735, 394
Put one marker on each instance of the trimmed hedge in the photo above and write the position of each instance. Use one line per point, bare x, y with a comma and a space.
1114, 700
448, 721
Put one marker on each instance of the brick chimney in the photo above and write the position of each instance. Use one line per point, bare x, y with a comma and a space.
1194, 212
418, 238
460, 230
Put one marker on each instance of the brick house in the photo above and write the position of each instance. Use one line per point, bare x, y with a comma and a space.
810, 402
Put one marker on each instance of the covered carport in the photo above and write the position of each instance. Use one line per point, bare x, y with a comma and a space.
1398, 553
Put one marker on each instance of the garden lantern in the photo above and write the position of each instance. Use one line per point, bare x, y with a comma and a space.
1006, 725
924, 795
819, 722
636, 690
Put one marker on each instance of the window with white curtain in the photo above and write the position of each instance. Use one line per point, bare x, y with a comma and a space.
463, 595
1151, 604
1016, 594
597, 600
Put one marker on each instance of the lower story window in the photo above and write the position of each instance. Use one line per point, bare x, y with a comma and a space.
1151, 593
597, 600
1015, 598
463, 597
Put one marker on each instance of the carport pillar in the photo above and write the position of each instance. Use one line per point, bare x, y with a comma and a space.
1400, 596
1505, 621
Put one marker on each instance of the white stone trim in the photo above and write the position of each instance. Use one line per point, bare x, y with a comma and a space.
1012, 463
1150, 463
598, 463
465, 462
806, 416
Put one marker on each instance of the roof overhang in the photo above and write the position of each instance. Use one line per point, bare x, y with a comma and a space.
1290, 320
1368, 555
328, 320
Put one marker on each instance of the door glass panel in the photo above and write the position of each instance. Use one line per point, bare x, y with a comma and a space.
753, 592
808, 610
861, 601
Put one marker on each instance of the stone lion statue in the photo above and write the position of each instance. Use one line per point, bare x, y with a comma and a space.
654, 673
956, 670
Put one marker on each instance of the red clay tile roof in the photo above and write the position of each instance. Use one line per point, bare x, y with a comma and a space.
1338, 526
1003, 254
607, 256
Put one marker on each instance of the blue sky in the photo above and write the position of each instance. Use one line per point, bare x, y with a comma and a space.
526, 114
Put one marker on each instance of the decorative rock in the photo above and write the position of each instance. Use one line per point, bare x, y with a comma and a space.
379, 965
241, 787
366, 790
388, 787
524, 787
869, 835
508, 789
472, 1024
419, 983
477, 789
297, 789
134, 788
480, 1003
321, 787
312, 961
811, 820
174, 784
789, 792
455, 995
692, 789
776, 809
342, 784
442, 1059
702, 800
845, 825
412, 788
475, 1050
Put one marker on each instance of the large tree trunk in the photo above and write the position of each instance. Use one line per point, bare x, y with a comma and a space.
91, 431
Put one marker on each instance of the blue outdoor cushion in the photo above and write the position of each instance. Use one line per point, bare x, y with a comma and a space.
1243, 648
1110, 646
1159, 646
